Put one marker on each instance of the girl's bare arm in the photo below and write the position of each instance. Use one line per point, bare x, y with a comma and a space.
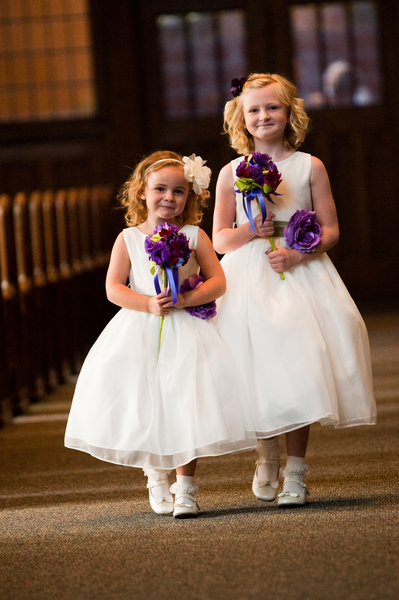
121, 295
215, 284
225, 238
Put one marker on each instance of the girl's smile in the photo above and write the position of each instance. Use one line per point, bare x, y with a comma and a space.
166, 194
265, 115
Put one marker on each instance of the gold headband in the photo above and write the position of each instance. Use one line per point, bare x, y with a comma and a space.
163, 160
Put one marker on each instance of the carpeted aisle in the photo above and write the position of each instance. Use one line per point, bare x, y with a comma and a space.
73, 527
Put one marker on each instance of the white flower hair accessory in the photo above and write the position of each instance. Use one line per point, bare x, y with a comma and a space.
196, 173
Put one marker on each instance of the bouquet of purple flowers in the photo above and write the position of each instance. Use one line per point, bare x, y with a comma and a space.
303, 233
203, 311
258, 178
168, 250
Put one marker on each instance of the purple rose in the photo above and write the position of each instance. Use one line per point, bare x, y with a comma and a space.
273, 176
303, 233
166, 230
257, 174
159, 251
261, 169
261, 159
203, 311
179, 251
243, 170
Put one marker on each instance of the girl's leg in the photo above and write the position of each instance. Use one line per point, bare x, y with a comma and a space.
297, 441
184, 489
294, 489
161, 500
265, 482
187, 470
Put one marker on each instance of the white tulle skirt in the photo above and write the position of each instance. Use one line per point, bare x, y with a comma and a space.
133, 407
300, 345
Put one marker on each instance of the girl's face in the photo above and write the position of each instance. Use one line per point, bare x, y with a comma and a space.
166, 194
265, 115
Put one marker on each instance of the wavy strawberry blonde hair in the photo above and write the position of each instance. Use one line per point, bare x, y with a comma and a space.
130, 195
234, 122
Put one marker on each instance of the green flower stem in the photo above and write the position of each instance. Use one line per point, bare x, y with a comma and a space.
273, 245
164, 282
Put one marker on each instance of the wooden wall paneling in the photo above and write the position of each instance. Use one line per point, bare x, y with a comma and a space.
80, 294
68, 317
5, 378
87, 264
29, 305
15, 396
117, 33
101, 203
100, 310
45, 333
57, 318
381, 178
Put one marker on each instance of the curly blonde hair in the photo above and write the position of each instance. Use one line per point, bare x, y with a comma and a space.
234, 122
131, 197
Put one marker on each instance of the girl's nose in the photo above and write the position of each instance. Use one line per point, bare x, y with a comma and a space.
264, 115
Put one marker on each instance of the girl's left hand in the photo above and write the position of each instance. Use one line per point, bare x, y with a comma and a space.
180, 303
283, 259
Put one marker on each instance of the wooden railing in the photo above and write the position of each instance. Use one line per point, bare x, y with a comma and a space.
54, 250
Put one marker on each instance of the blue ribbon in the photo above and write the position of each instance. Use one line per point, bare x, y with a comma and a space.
253, 194
172, 278
247, 198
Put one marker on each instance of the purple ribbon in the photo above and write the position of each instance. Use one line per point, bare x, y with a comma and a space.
247, 198
172, 279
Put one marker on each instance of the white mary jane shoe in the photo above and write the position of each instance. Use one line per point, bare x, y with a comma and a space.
287, 499
264, 490
163, 505
162, 502
186, 506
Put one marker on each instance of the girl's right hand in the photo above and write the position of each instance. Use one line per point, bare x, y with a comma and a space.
267, 228
156, 304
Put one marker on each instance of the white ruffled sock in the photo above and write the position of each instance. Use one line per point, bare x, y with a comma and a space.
185, 488
184, 479
158, 480
294, 474
269, 459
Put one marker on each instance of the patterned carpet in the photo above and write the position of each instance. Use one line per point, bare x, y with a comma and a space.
73, 527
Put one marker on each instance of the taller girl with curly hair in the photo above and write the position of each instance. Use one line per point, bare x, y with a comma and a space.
293, 330
153, 403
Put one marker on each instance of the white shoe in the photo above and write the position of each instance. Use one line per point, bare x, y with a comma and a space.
290, 498
186, 506
161, 500
265, 490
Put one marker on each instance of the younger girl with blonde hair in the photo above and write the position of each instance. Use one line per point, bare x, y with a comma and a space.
160, 397
294, 332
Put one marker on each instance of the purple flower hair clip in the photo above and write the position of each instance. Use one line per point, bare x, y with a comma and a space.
237, 85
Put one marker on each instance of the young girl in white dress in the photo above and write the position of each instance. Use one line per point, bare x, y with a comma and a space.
161, 401
300, 343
